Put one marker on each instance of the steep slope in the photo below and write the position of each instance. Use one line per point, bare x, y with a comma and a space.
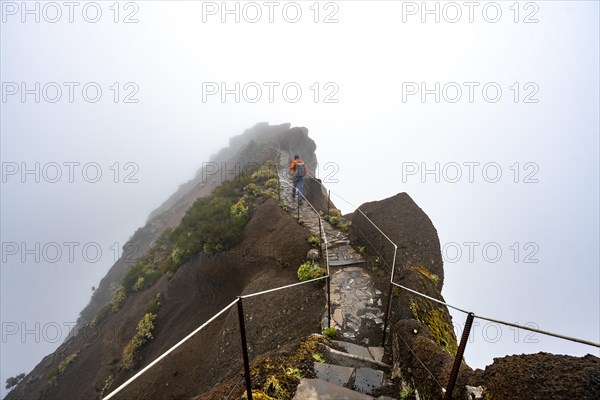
240, 155
271, 247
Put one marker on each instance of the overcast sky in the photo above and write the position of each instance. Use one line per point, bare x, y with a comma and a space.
487, 117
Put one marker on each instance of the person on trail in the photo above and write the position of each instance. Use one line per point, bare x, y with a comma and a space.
299, 169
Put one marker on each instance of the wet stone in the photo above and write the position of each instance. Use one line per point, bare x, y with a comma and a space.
368, 380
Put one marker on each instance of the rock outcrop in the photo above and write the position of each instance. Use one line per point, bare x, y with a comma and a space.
275, 239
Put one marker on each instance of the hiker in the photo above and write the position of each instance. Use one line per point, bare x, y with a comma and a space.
299, 169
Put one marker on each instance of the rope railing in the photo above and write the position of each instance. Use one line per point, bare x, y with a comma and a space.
166, 353
238, 301
470, 315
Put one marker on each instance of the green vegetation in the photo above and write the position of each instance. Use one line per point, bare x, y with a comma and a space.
310, 270
155, 306
277, 377
330, 332
435, 279
406, 391
14, 380
142, 335
107, 385
314, 241
436, 320
119, 299
62, 367
362, 249
335, 218
211, 225
55, 372
318, 357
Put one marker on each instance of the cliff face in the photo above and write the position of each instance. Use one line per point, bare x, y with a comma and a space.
422, 339
236, 157
271, 247
221, 236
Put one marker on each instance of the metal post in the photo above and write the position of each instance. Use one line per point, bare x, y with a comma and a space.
278, 181
387, 314
389, 299
298, 196
244, 348
459, 356
328, 301
320, 232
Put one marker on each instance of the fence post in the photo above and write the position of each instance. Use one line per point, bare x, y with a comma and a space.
328, 301
244, 348
278, 181
387, 313
459, 356
389, 299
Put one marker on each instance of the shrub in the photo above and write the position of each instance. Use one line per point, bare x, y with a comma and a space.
252, 189
142, 335
310, 270
314, 241
62, 367
119, 299
107, 384
273, 183
14, 380
338, 222
330, 332
141, 276
211, 225
265, 172
406, 391
239, 209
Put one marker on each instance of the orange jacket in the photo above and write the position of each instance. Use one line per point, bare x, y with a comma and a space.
293, 166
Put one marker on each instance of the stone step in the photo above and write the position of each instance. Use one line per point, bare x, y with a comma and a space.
351, 360
352, 348
338, 243
317, 389
335, 374
368, 380
372, 352
341, 263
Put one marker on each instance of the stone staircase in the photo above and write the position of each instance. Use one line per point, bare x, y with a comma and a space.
356, 305
352, 372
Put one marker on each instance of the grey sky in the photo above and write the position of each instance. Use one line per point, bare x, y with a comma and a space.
546, 199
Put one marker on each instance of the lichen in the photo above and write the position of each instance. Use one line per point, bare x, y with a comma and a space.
436, 320
277, 377
426, 273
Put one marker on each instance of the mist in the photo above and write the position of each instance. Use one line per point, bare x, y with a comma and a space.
490, 122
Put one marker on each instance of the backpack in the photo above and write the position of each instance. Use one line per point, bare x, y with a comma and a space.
300, 170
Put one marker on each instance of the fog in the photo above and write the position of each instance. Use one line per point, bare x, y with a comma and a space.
488, 118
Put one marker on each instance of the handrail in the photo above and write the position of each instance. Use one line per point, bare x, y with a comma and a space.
166, 353
236, 301
392, 283
247, 296
557, 335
